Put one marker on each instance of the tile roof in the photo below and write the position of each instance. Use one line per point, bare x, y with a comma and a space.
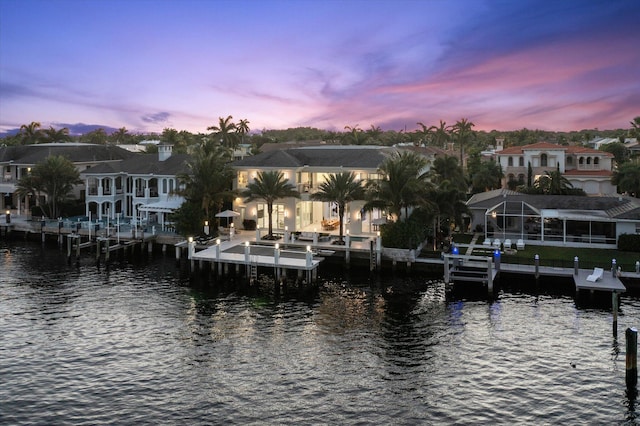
143, 164
546, 146
74, 152
349, 156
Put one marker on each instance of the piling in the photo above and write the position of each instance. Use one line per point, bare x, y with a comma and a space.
631, 374
536, 260
614, 309
576, 264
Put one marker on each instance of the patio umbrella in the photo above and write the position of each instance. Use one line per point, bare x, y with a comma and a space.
227, 214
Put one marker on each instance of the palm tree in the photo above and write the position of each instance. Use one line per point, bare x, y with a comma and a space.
353, 134
404, 184
553, 183
226, 132
269, 186
53, 135
30, 133
462, 131
242, 128
426, 133
340, 188
447, 169
121, 136
208, 180
55, 177
488, 176
373, 133
441, 134
627, 178
634, 132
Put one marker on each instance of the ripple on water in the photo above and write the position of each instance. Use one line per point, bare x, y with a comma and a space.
139, 343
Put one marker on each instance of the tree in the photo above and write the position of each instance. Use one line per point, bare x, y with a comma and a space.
462, 131
242, 128
403, 184
353, 136
441, 134
54, 177
619, 151
447, 169
627, 178
426, 133
225, 132
634, 132
121, 136
269, 186
373, 133
340, 188
98, 136
553, 183
30, 133
488, 176
53, 135
208, 180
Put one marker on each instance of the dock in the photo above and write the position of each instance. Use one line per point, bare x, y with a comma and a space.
254, 256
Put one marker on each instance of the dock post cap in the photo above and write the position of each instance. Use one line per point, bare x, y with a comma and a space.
537, 256
246, 243
218, 241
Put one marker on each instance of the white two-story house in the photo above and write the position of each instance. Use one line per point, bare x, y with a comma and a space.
17, 162
307, 168
586, 168
140, 188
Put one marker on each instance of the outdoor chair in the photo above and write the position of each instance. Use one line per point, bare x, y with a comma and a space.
507, 244
520, 244
496, 243
487, 242
596, 275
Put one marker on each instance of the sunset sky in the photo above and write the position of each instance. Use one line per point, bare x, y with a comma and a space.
148, 65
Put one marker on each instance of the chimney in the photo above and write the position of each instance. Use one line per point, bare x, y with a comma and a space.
164, 152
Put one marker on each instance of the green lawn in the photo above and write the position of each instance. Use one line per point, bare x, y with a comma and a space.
563, 257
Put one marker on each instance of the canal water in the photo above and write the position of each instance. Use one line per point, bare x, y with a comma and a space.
141, 342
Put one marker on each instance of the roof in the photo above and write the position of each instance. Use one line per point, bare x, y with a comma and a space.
615, 207
74, 152
143, 164
348, 156
546, 146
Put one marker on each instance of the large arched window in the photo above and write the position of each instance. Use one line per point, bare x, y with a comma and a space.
543, 160
569, 161
596, 161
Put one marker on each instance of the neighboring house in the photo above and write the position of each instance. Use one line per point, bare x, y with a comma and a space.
586, 168
562, 220
307, 168
140, 188
17, 161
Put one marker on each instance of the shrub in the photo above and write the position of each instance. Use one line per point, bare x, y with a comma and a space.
629, 242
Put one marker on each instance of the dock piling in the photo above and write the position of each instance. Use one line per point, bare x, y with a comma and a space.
631, 373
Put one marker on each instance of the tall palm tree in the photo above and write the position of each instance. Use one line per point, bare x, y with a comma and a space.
269, 186
121, 136
373, 133
634, 132
226, 132
30, 133
404, 184
340, 188
463, 132
242, 128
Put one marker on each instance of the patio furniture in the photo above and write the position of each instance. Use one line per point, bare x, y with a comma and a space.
487, 242
496, 243
596, 275
507, 244
520, 244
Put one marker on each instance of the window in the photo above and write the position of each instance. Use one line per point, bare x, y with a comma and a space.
521, 161
596, 161
510, 162
243, 179
543, 160
569, 161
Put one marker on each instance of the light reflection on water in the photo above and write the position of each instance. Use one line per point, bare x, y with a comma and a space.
141, 343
